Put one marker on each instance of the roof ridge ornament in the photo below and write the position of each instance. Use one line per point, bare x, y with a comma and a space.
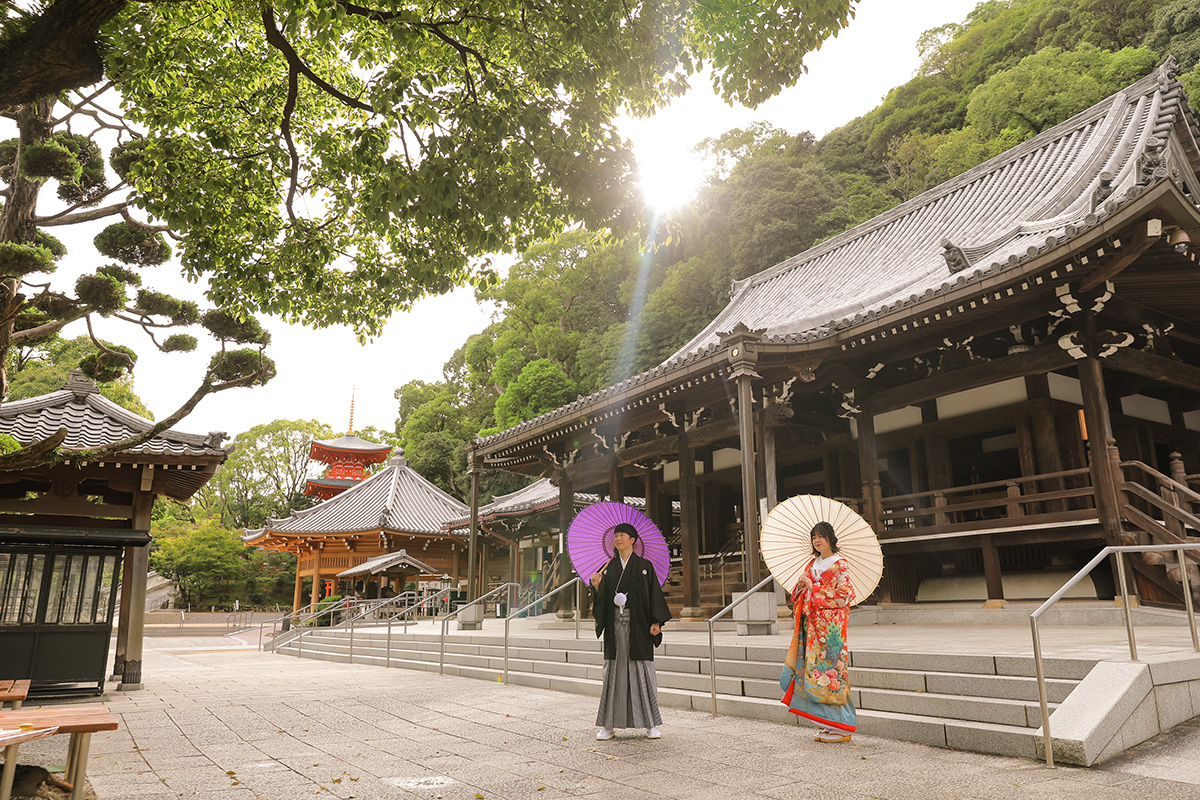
1103, 190
1151, 162
215, 439
1168, 71
81, 384
956, 259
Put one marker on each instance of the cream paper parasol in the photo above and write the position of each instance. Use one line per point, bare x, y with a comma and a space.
786, 543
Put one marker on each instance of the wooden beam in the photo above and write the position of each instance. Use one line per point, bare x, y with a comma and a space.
66, 508
1046, 358
1126, 309
1157, 368
1142, 240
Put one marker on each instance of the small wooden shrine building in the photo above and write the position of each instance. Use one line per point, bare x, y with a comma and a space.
68, 534
1002, 374
346, 460
393, 509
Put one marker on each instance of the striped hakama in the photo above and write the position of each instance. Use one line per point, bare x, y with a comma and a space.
629, 697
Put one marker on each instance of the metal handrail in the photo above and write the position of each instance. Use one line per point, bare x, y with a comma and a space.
341, 607
432, 599
238, 620
577, 582
1119, 551
368, 610
712, 649
454, 615
272, 622
374, 607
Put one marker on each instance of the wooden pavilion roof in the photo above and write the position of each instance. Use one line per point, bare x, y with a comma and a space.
185, 461
393, 503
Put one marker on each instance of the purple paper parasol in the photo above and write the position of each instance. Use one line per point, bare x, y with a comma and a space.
590, 539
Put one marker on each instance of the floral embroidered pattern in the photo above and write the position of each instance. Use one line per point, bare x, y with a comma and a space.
815, 677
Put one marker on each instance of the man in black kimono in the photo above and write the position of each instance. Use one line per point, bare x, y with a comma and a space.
630, 610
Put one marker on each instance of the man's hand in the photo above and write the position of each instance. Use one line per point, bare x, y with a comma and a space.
655, 629
595, 579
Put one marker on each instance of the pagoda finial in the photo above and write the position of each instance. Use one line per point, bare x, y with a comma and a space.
350, 431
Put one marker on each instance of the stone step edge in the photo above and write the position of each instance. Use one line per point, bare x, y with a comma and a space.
935, 731
516, 663
554, 642
534, 644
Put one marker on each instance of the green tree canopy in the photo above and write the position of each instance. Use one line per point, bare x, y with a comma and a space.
266, 474
206, 561
1051, 85
45, 367
333, 162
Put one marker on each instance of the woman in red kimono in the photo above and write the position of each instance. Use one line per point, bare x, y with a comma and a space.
819, 689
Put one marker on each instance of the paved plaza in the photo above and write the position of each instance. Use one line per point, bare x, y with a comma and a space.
221, 721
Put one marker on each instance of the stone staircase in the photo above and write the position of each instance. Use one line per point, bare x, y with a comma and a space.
715, 593
985, 704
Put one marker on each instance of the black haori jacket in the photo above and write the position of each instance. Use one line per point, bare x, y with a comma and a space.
644, 599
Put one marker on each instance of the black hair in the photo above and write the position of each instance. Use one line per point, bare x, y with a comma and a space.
826, 530
625, 527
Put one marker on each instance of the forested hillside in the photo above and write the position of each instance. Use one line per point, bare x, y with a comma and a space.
580, 313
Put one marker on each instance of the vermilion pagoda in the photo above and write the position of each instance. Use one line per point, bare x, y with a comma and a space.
346, 459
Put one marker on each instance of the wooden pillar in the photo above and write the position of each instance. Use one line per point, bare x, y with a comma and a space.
937, 462
770, 483
1045, 438
1099, 426
689, 527
868, 465
473, 536
455, 571
991, 573
123, 619
745, 409
1028, 462
653, 502
298, 592
514, 573
316, 576
138, 567
831, 470
481, 567
616, 482
566, 513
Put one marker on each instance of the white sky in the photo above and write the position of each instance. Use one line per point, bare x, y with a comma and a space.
318, 370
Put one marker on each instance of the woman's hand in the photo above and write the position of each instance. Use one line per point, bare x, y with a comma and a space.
806, 582
655, 629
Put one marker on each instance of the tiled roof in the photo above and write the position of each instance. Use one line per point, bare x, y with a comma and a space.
352, 442
91, 421
394, 499
386, 561
540, 494
333, 483
1027, 200
1034, 198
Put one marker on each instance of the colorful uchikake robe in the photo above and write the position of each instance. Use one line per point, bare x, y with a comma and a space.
821, 692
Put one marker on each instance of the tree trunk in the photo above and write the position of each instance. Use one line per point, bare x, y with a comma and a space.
33, 126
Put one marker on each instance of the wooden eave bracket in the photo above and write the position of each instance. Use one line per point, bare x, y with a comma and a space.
1147, 234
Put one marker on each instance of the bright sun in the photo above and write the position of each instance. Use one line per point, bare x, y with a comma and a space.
669, 175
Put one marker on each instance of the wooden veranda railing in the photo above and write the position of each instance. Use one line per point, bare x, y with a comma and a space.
1049, 498
1164, 511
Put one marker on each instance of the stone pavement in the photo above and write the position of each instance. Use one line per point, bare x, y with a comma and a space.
223, 722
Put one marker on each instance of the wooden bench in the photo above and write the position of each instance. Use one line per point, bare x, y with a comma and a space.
13, 692
79, 721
